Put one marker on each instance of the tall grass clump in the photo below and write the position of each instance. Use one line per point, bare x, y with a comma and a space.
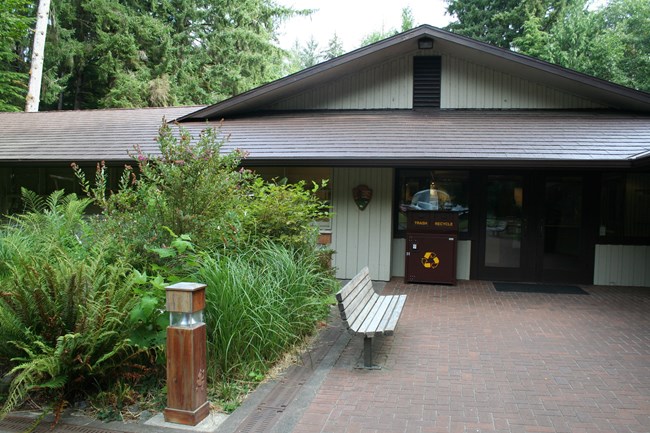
65, 304
259, 303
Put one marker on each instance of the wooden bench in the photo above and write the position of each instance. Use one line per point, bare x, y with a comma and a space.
365, 312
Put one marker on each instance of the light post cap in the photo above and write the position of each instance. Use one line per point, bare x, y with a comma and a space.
185, 297
184, 286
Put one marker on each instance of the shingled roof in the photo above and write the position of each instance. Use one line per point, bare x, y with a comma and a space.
468, 138
80, 136
378, 138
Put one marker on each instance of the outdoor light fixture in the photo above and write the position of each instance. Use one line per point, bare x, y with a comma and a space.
425, 43
187, 396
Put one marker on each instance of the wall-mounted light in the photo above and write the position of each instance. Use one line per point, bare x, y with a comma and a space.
425, 43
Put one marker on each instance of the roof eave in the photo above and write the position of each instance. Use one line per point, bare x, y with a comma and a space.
443, 162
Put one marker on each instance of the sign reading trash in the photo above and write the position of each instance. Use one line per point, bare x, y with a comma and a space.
431, 238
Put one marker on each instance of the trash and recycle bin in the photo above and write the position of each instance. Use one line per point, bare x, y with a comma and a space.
431, 238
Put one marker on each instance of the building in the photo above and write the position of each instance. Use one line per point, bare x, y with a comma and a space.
548, 169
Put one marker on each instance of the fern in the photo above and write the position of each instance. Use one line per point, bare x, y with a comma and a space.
64, 303
29, 374
33, 201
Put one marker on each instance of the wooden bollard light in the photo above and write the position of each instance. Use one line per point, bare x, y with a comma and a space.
187, 395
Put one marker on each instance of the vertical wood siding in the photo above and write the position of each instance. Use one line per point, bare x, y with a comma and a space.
465, 85
468, 85
384, 86
362, 238
622, 265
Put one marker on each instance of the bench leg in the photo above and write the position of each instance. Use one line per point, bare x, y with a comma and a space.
367, 352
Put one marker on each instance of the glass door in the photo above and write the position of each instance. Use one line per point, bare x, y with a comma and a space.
503, 231
563, 244
534, 227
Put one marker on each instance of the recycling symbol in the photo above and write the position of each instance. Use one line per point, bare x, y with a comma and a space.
430, 260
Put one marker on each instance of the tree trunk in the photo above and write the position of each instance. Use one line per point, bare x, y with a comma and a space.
38, 51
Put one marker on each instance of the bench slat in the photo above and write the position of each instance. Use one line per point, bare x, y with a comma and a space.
358, 297
370, 325
364, 311
356, 305
351, 286
390, 323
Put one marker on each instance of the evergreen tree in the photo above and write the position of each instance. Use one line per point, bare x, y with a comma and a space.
499, 22
612, 43
334, 48
135, 53
16, 20
408, 22
629, 23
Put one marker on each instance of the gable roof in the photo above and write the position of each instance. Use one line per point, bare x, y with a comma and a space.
82, 136
608, 94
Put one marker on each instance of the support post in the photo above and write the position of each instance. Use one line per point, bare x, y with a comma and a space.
187, 395
367, 352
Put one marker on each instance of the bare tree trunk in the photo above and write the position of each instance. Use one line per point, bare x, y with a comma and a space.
36, 71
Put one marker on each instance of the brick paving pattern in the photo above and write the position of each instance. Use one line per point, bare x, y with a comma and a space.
469, 359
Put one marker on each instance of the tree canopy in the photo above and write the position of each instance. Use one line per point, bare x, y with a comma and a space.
612, 43
135, 53
499, 22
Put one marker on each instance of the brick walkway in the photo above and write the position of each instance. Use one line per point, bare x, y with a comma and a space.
470, 359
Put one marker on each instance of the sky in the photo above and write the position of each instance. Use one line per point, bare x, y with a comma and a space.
352, 20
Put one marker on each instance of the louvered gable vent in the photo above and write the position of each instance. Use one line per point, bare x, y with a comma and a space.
426, 82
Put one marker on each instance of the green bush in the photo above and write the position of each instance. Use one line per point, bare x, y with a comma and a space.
82, 296
284, 213
194, 189
65, 304
190, 188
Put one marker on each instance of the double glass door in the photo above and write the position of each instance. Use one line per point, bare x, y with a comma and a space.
535, 228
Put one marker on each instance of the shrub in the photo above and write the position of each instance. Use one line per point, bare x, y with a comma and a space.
284, 213
266, 282
194, 189
190, 188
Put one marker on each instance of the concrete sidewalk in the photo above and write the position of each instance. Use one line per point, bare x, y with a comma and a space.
467, 358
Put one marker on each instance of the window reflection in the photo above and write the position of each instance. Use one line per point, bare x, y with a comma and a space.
625, 207
433, 190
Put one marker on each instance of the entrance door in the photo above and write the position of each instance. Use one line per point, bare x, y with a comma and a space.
533, 228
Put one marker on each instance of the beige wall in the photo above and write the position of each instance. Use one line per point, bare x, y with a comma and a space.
622, 265
465, 85
362, 238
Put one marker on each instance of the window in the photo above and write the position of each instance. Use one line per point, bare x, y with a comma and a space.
625, 207
432, 190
